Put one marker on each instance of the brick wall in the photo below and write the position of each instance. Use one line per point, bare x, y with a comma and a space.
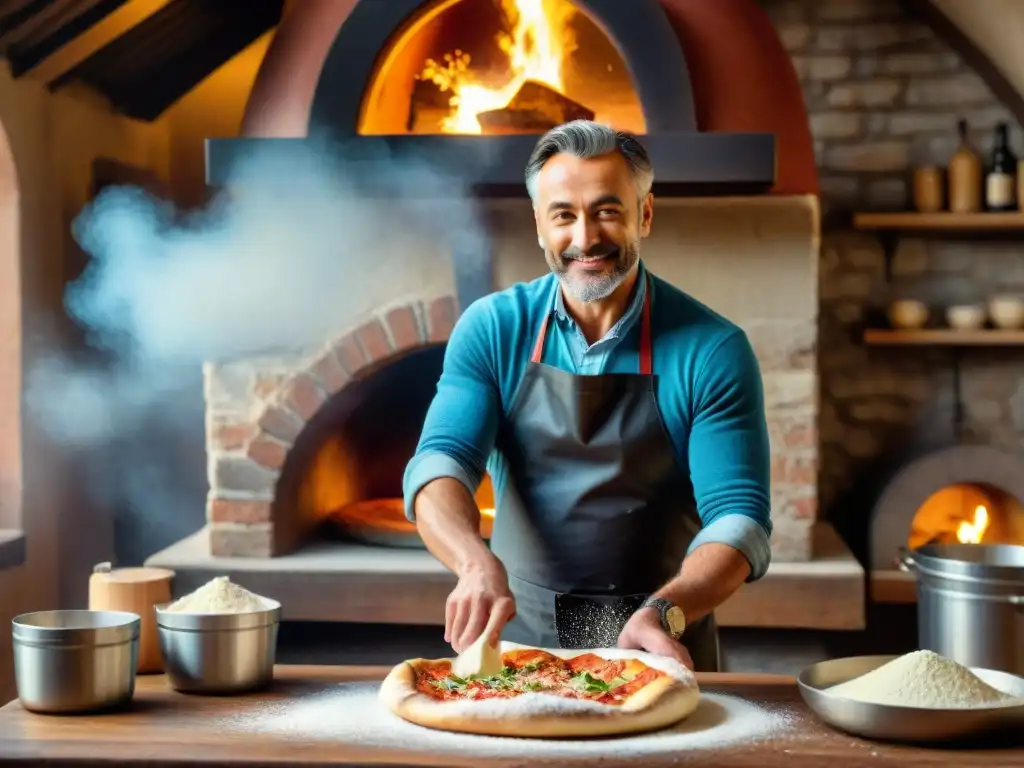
884, 94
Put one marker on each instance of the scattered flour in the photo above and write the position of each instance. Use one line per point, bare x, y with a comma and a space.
352, 714
926, 680
219, 595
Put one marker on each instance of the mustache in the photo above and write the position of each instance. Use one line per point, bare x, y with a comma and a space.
598, 251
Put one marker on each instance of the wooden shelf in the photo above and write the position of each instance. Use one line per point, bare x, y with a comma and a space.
893, 587
1005, 222
944, 337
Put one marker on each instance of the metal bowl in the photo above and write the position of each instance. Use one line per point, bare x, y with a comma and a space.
75, 661
219, 652
908, 724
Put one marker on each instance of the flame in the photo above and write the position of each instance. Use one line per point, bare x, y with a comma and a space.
537, 42
972, 532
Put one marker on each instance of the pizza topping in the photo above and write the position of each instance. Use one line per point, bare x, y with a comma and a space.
587, 677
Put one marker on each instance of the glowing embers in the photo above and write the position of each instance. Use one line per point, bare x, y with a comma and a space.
499, 66
327, 493
968, 514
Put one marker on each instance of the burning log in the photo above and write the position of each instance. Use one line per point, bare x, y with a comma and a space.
535, 108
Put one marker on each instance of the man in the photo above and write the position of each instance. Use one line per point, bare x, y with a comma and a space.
622, 423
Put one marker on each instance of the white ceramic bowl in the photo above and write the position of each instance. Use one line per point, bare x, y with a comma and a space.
1006, 312
966, 317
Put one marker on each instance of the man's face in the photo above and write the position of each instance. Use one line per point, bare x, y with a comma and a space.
590, 221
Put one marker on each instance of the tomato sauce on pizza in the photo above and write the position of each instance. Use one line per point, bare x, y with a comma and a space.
587, 676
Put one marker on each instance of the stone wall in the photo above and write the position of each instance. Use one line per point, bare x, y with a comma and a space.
884, 95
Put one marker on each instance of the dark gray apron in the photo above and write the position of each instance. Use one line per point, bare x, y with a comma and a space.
597, 513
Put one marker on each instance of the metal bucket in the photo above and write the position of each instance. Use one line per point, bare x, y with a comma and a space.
970, 603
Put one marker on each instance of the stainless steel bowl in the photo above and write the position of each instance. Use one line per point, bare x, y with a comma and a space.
909, 724
75, 661
219, 653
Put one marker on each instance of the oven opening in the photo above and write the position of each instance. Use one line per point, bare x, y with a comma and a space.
499, 67
343, 477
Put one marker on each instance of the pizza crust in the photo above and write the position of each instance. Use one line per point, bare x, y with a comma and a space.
663, 702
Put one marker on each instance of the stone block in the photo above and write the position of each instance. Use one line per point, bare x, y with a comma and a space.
794, 36
882, 156
374, 341
329, 372
956, 91
822, 66
791, 390
404, 327
238, 511
866, 94
227, 383
792, 540
231, 436
441, 316
268, 452
303, 396
233, 473
836, 125
920, 63
280, 423
783, 345
232, 540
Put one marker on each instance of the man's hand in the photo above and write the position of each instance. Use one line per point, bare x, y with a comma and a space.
643, 632
481, 592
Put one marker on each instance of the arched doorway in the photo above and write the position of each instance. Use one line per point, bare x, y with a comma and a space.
10, 340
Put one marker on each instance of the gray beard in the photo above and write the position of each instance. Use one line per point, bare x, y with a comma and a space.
597, 287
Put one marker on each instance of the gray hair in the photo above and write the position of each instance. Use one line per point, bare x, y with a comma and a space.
586, 139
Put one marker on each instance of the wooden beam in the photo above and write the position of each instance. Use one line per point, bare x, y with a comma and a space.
973, 56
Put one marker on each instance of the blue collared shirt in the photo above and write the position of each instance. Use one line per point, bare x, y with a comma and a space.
708, 389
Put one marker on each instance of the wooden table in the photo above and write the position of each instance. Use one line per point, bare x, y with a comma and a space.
165, 729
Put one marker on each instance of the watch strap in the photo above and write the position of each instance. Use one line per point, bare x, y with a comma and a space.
661, 605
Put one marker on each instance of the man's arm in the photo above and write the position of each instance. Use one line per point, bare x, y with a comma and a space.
730, 468
458, 435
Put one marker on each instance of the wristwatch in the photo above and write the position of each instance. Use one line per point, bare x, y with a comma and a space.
673, 620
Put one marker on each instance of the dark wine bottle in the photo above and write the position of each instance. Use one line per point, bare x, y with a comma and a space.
1001, 179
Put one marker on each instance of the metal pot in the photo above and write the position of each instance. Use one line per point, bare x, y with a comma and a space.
75, 661
970, 602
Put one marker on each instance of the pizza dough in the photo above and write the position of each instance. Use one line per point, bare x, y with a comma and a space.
546, 693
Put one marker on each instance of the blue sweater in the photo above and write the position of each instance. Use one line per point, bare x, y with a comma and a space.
709, 393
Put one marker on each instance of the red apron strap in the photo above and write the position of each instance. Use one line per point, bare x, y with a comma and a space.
538, 348
646, 366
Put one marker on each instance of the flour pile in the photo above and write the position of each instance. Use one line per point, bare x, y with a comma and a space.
926, 680
352, 714
219, 595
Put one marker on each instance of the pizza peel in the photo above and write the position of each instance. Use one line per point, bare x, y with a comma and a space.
480, 658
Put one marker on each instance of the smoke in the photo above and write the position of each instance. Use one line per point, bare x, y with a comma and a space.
296, 244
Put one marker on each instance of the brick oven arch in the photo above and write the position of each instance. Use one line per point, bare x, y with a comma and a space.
10, 339
893, 514
292, 403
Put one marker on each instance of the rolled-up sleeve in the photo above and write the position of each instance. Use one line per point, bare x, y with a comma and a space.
730, 454
462, 422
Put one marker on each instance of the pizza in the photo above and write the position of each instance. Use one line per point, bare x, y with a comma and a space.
545, 693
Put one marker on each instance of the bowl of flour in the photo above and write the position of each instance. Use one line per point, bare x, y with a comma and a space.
917, 697
219, 639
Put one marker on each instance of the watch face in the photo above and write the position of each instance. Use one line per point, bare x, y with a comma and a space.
676, 620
